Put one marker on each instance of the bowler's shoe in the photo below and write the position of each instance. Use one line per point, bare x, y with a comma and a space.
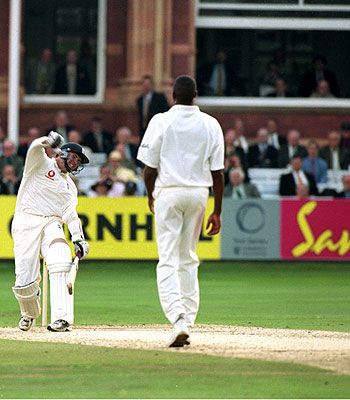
181, 333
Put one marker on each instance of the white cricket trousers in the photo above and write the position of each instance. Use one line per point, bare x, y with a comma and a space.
179, 213
32, 235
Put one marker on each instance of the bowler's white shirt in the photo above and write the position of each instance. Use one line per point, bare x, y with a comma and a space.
184, 145
45, 190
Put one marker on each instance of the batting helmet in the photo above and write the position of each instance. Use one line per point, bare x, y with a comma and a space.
77, 149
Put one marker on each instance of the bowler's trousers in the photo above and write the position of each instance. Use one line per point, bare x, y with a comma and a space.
179, 213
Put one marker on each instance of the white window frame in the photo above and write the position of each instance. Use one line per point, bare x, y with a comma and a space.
331, 24
98, 97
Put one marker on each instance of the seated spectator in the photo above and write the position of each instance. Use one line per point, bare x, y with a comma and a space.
106, 184
237, 189
322, 90
100, 188
281, 89
230, 137
313, 76
123, 136
293, 147
119, 172
335, 156
261, 154
40, 74
345, 193
267, 84
61, 124
302, 191
71, 77
240, 140
234, 160
33, 133
130, 188
313, 164
275, 139
345, 136
289, 182
9, 181
10, 157
97, 138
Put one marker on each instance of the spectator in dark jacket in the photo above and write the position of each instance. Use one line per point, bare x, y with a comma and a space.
97, 138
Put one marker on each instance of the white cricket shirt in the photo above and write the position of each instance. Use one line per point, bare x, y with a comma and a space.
45, 190
184, 145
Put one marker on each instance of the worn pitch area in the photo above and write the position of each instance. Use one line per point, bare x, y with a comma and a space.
324, 349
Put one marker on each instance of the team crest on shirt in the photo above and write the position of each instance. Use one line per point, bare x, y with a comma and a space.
51, 175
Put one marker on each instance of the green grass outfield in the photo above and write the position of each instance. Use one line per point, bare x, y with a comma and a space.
266, 294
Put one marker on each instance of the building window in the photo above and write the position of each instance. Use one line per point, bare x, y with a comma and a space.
62, 40
274, 46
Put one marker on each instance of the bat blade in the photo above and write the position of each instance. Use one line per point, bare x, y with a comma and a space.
72, 275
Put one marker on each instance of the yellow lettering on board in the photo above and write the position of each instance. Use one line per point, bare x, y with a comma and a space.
324, 241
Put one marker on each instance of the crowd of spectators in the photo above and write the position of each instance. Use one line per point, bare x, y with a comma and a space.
304, 164
219, 78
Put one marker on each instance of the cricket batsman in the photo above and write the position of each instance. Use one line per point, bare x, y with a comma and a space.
46, 200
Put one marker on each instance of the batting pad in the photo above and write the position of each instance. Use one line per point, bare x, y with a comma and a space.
28, 298
58, 262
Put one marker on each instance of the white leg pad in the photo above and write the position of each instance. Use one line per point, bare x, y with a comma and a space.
28, 298
58, 262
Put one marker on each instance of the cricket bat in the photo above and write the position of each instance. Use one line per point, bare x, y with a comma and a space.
72, 275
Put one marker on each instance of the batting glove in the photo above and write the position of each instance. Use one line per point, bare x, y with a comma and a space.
81, 248
55, 139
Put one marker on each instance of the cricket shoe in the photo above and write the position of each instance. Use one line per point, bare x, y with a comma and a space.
59, 325
181, 333
25, 323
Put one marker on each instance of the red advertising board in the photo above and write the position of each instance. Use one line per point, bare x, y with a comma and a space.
317, 230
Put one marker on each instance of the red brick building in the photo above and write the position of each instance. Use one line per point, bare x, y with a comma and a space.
157, 37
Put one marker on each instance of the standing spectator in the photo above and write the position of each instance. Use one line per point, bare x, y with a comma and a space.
71, 77
33, 133
345, 193
261, 154
313, 76
289, 182
61, 124
10, 157
237, 188
218, 77
267, 82
335, 157
149, 103
9, 182
183, 150
40, 74
97, 138
275, 139
345, 136
313, 164
293, 147
322, 90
